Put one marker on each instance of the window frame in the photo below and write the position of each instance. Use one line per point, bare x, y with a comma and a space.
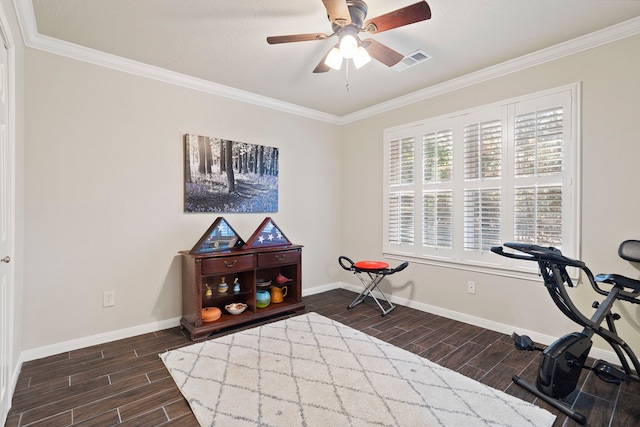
569, 97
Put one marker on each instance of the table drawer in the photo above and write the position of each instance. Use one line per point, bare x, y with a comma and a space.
227, 264
273, 259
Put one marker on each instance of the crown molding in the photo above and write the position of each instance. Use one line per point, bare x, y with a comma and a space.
32, 39
103, 59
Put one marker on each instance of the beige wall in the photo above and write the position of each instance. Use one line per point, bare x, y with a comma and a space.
610, 153
104, 191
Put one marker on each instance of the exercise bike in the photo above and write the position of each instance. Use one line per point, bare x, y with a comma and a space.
562, 362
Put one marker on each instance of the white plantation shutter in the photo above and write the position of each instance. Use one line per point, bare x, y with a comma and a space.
538, 169
538, 142
482, 219
437, 149
456, 186
538, 216
401, 216
437, 219
401, 198
401, 169
483, 148
437, 196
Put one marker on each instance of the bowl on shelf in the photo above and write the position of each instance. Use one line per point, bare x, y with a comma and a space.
211, 314
262, 283
236, 307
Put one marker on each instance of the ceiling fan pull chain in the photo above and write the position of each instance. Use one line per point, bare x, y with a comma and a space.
347, 78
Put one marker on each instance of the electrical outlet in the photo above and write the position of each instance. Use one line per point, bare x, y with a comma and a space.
109, 298
471, 287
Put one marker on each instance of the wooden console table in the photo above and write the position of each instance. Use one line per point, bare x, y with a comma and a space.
207, 271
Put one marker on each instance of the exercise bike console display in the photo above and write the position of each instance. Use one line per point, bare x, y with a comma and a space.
562, 362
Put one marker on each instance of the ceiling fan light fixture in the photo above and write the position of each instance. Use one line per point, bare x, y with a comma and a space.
362, 57
334, 59
348, 46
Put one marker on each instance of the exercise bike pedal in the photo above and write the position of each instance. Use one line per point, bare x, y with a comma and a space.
609, 373
524, 343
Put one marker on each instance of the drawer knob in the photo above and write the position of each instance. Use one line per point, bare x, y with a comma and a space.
280, 257
230, 264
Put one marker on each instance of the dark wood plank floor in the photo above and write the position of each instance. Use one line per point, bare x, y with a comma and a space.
124, 382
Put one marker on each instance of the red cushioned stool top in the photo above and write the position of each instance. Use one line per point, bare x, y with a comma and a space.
371, 265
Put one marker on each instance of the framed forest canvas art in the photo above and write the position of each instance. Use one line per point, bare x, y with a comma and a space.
228, 176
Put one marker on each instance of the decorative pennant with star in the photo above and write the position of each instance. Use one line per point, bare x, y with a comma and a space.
267, 234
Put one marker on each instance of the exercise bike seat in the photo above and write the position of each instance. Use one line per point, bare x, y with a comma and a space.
629, 250
617, 279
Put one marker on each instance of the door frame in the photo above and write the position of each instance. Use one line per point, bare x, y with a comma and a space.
7, 335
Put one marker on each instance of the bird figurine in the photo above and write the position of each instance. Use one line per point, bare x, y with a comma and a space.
281, 280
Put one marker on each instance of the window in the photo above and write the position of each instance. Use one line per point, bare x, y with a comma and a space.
457, 185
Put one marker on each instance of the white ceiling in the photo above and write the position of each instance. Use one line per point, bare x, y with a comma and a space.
224, 42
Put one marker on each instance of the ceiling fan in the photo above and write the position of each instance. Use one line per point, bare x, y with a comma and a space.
348, 21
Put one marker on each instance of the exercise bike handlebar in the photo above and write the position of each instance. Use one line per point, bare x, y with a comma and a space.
537, 253
629, 289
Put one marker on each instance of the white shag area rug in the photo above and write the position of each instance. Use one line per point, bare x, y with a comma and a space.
312, 371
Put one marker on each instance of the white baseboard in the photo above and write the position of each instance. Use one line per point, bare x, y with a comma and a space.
50, 350
323, 288
53, 349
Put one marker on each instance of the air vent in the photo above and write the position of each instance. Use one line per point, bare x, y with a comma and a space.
410, 60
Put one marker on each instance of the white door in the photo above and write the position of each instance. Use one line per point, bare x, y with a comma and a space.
6, 223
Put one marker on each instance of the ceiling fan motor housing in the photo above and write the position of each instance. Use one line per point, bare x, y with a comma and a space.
358, 12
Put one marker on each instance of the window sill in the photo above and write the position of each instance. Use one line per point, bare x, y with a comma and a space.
493, 269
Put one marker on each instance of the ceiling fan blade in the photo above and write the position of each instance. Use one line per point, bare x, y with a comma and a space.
404, 16
338, 12
322, 67
296, 38
382, 53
